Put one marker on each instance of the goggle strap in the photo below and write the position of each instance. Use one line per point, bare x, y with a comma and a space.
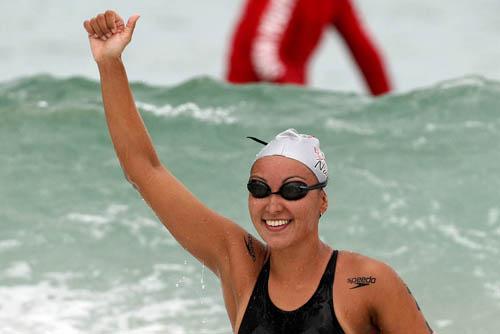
257, 140
318, 186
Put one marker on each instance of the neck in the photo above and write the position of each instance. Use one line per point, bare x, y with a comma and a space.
295, 262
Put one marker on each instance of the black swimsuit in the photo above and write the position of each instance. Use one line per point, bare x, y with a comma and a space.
316, 316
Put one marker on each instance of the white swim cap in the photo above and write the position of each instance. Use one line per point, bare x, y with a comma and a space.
301, 147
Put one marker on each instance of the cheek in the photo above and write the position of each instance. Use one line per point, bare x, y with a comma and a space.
309, 209
254, 207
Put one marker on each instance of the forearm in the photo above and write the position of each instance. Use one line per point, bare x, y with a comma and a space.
130, 138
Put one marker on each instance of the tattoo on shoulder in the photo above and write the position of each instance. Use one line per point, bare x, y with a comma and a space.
361, 281
251, 250
418, 307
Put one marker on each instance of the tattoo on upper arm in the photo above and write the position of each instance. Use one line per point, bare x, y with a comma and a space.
251, 250
418, 307
361, 281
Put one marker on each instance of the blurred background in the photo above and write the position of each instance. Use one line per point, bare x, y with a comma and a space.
423, 41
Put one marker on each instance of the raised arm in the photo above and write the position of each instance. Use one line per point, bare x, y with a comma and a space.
204, 233
362, 48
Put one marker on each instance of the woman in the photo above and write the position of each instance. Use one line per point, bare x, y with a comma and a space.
294, 283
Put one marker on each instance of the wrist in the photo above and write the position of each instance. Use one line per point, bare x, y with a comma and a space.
108, 61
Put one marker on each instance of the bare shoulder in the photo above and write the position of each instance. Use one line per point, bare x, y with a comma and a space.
363, 275
357, 260
374, 280
380, 297
355, 263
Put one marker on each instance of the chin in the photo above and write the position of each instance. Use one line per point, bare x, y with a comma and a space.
277, 243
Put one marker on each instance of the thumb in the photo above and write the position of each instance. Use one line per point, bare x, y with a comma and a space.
132, 21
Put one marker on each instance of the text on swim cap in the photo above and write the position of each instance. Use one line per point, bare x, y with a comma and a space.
321, 165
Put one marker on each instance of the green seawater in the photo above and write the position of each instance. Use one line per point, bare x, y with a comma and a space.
414, 182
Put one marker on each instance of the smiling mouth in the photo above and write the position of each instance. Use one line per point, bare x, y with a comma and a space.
277, 224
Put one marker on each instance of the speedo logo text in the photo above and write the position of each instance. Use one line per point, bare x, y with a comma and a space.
361, 281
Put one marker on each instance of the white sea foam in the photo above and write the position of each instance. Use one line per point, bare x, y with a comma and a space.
473, 124
52, 306
41, 308
112, 211
163, 267
396, 252
493, 215
493, 288
478, 272
471, 80
19, 270
216, 115
420, 224
455, 234
430, 127
443, 323
374, 179
419, 142
42, 104
87, 218
98, 224
343, 126
9, 244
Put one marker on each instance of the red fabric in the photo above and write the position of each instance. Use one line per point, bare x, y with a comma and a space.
308, 20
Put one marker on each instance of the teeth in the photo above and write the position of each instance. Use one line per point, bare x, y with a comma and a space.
275, 223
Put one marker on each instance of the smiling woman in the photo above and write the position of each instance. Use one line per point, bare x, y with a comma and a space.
292, 283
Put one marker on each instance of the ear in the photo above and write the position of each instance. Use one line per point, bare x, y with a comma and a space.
324, 202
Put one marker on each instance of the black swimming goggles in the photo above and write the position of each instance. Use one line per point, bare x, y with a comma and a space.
291, 191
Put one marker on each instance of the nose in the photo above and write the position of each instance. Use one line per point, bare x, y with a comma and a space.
274, 204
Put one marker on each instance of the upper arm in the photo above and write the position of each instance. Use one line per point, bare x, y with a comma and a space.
394, 308
201, 231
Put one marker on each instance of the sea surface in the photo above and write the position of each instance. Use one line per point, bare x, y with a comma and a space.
414, 183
